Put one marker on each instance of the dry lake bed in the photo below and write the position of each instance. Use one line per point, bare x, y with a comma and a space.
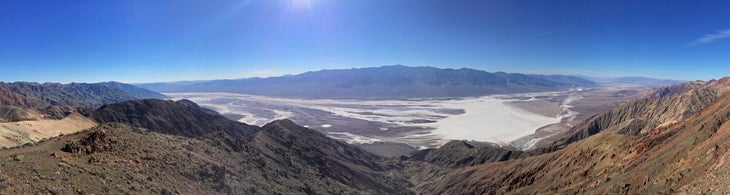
394, 127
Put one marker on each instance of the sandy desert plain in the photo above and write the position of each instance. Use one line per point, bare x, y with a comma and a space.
397, 127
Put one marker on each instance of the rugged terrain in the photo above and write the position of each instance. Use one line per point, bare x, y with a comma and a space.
145, 157
55, 101
668, 144
31, 111
675, 140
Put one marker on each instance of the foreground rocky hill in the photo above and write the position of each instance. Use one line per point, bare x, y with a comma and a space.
194, 157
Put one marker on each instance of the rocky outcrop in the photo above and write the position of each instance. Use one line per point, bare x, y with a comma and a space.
96, 141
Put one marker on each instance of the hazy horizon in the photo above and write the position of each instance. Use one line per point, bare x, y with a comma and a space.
155, 41
270, 74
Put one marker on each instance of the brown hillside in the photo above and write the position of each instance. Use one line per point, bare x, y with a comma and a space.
116, 158
688, 156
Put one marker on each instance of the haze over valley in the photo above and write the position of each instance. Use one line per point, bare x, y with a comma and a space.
396, 114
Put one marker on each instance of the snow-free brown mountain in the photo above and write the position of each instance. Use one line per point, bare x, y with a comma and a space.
383, 82
30, 112
55, 100
675, 140
669, 144
664, 107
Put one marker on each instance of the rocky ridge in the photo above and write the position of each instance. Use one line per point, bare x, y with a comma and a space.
383, 82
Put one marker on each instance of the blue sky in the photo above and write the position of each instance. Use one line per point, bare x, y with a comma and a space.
155, 40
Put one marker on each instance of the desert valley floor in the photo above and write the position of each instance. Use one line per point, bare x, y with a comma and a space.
394, 127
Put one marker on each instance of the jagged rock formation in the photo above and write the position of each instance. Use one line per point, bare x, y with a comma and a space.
383, 82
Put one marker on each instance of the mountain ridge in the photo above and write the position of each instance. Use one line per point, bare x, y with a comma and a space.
385, 82
57, 100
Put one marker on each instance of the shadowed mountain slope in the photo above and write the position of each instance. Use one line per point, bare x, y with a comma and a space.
137, 92
178, 118
14, 114
384, 82
335, 160
73, 94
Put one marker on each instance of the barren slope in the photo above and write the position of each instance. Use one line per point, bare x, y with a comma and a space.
194, 158
683, 156
22, 132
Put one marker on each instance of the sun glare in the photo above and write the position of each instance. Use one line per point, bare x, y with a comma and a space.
301, 4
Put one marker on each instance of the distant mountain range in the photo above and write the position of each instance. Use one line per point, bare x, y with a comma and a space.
56, 100
636, 80
382, 82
